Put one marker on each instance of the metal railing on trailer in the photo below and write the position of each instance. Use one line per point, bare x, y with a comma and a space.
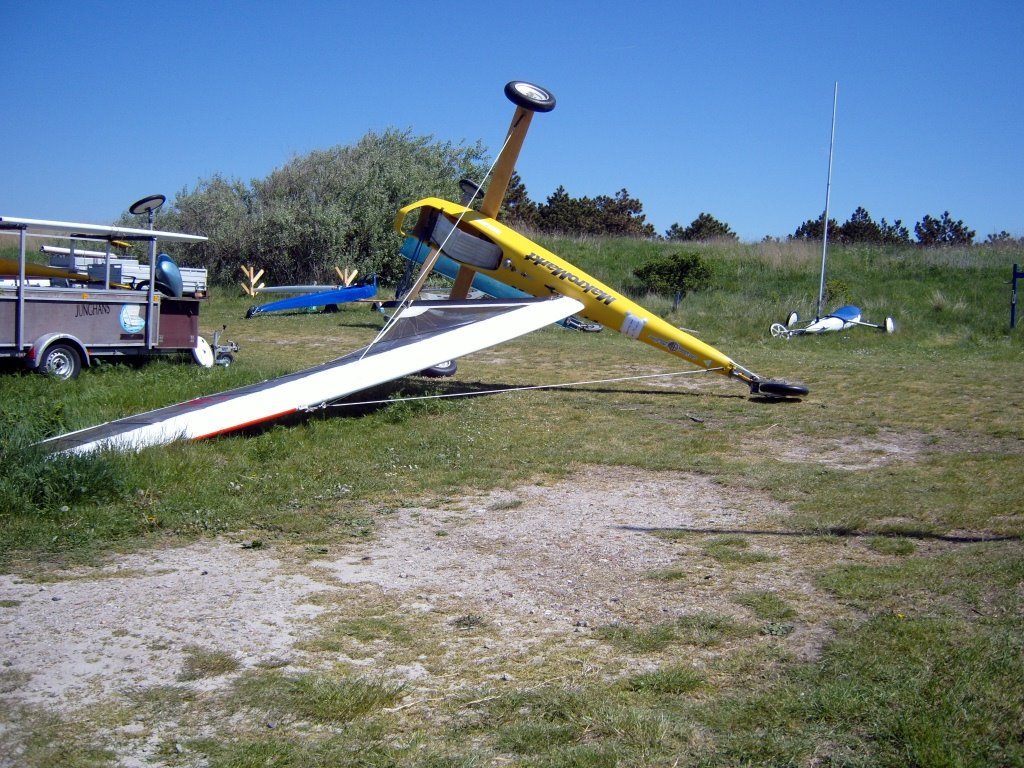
24, 228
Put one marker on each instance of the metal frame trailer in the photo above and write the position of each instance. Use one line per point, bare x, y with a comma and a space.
58, 330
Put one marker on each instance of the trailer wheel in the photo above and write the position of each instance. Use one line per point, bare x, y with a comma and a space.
60, 361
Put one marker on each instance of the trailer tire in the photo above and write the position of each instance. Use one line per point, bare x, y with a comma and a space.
60, 361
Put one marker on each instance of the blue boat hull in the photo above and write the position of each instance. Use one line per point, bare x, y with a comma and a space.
322, 299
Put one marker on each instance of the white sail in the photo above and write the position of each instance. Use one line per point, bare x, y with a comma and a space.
424, 335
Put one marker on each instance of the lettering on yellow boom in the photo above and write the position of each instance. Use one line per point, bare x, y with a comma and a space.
563, 274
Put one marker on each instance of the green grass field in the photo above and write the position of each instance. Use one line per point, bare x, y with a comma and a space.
898, 483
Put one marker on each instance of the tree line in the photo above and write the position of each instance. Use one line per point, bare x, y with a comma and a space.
336, 206
622, 215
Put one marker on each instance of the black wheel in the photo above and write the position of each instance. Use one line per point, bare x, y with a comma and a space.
447, 368
60, 361
529, 96
147, 204
776, 388
225, 359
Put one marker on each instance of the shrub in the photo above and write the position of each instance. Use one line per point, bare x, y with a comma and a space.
836, 292
677, 273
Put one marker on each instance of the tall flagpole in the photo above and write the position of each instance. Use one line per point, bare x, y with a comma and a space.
828, 192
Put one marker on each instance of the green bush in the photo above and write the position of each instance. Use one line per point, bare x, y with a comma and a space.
677, 273
328, 208
837, 292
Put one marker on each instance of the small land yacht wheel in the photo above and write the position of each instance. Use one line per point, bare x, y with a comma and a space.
447, 368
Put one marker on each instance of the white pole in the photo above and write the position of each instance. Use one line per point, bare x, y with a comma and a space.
828, 192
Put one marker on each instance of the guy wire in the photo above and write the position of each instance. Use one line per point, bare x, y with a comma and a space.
505, 390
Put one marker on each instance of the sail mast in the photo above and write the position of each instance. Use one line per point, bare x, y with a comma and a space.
828, 192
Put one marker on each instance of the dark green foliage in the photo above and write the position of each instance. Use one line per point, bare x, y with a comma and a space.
893, 234
621, 216
1003, 238
943, 231
860, 228
683, 272
618, 216
702, 229
814, 229
518, 210
836, 292
561, 213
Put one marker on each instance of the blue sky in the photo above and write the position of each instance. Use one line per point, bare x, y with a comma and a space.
691, 106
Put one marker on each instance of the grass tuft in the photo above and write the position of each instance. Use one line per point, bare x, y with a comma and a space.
318, 697
702, 629
766, 605
734, 550
202, 663
672, 680
892, 545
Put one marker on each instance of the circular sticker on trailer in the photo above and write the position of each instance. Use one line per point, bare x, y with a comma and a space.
131, 319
